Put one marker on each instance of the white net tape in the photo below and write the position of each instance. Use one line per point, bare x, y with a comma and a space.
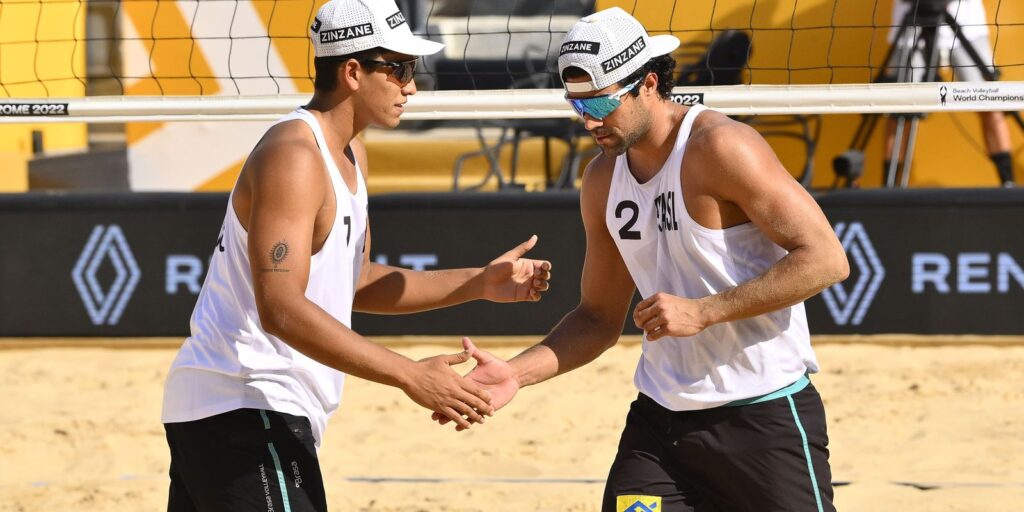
543, 103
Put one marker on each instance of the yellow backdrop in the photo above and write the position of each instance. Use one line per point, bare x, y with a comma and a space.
950, 146
793, 43
39, 60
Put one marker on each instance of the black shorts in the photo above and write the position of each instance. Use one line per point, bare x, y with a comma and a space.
761, 457
244, 460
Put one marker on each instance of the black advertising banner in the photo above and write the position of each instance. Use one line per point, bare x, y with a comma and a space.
922, 261
469, 230
104, 265
927, 262
133, 264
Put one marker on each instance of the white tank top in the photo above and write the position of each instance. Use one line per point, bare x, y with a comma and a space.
230, 362
667, 251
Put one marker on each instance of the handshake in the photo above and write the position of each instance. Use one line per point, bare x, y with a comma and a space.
469, 399
462, 399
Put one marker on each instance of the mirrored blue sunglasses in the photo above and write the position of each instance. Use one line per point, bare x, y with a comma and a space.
599, 107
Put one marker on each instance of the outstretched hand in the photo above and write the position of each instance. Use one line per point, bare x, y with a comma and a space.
513, 278
491, 374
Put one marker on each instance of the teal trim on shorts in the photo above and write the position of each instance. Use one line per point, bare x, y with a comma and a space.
284, 489
791, 389
277, 465
807, 452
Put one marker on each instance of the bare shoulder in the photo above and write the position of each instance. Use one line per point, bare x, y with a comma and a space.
597, 177
288, 151
715, 134
283, 171
721, 151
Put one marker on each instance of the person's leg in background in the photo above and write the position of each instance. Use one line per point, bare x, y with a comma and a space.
997, 141
993, 124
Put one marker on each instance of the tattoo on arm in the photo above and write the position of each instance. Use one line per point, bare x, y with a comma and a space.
278, 253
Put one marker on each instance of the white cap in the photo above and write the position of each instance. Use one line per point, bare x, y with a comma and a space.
609, 45
343, 27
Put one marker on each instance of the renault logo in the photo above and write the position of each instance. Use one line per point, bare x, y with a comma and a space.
107, 243
848, 306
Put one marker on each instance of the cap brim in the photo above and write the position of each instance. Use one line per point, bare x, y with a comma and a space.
413, 46
662, 45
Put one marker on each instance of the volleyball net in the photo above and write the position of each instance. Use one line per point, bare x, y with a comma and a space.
164, 60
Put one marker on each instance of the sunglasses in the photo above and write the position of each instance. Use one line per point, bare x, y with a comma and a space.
402, 71
599, 107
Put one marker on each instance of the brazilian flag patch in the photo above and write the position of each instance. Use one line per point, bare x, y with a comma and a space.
637, 503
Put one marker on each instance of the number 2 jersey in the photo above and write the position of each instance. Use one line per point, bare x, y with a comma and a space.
229, 362
667, 251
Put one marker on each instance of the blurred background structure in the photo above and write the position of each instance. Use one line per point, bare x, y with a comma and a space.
52, 49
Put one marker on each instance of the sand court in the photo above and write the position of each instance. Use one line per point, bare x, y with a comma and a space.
915, 425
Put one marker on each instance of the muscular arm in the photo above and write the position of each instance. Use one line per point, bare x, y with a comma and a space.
588, 330
286, 184
740, 169
391, 290
387, 289
605, 291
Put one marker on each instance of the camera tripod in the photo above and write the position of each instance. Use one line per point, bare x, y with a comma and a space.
927, 17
